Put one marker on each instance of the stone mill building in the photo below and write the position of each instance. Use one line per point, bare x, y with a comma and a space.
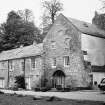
58, 61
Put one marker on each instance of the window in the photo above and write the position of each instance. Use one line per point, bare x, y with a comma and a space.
53, 44
3, 64
1, 82
66, 61
10, 66
53, 62
33, 63
22, 65
11, 81
67, 41
84, 52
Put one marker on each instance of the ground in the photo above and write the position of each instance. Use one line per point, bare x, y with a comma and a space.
74, 95
14, 99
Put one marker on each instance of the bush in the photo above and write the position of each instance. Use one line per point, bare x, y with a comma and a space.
1, 92
14, 88
20, 95
67, 89
53, 98
37, 89
59, 87
20, 81
44, 89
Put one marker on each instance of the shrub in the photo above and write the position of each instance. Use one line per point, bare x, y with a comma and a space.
44, 89
53, 98
20, 95
37, 89
20, 81
59, 87
1, 92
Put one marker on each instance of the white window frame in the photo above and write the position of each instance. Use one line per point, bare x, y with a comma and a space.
33, 63
53, 45
11, 66
22, 65
53, 62
2, 82
2, 65
66, 61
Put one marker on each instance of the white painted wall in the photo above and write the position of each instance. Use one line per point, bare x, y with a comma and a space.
97, 76
95, 48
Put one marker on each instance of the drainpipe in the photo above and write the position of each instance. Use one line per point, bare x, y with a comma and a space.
43, 68
24, 71
8, 75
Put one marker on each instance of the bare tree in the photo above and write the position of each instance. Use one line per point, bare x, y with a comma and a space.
26, 15
51, 10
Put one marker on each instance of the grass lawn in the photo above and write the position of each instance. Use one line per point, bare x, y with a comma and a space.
14, 99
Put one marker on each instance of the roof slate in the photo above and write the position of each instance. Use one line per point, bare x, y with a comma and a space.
87, 28
27, 51
33, 50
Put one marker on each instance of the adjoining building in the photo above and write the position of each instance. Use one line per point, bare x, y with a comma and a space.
25, 61
98, 73
57, 62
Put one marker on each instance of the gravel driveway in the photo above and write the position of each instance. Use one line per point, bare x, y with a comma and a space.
77, 95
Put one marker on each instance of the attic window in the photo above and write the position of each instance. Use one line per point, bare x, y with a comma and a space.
85, 25
53, 44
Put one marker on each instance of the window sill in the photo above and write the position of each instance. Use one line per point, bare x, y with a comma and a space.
33, 69
10, 70
66, 65
53, 66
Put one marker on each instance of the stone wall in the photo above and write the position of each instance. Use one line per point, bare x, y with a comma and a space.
64, 39
4, 72
36, 74
16, 70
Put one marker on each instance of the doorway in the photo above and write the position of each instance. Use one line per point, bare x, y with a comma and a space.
58, 79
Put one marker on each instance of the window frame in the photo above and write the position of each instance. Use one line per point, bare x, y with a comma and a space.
66, 61
33, 63
53, 45
54, 62
10, 65
23, 65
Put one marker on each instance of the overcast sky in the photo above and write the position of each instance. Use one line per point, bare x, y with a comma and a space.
79, 9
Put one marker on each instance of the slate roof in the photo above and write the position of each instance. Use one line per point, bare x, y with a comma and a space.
87, 28
21, 52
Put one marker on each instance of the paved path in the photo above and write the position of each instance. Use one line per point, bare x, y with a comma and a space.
77, 95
